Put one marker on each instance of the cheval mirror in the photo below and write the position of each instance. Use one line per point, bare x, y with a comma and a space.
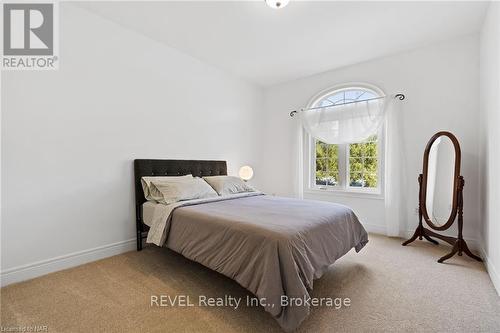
441, 194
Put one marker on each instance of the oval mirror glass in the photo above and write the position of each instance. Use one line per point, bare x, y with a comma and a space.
439, 192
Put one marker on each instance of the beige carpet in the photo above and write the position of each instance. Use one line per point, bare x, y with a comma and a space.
392, 288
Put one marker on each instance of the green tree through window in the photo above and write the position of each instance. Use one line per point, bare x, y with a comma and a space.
363, 163
327, 164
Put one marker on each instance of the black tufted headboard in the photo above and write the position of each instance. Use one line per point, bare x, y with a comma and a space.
142, 168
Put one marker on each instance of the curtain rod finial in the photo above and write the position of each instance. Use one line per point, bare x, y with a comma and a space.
400, 96
293, 113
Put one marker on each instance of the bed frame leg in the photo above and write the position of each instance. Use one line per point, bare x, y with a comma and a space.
139, 241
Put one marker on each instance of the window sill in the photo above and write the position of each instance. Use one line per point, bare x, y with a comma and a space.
346, 193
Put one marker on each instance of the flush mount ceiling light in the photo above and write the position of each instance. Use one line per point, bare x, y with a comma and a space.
277, 4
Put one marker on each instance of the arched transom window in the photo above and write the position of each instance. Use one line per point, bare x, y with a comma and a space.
346, 167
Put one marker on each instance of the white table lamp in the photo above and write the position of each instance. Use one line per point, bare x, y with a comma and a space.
246, 173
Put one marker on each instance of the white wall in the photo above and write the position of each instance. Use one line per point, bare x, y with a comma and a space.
441, 86
69, 137
490, 140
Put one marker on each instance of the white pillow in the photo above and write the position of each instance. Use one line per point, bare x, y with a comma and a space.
168, 192
146, 183
227, 185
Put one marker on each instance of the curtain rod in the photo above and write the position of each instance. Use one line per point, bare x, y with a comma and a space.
399, 96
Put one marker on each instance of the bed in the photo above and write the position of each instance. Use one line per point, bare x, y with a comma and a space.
274, 247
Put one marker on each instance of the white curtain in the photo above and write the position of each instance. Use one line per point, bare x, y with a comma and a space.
299, 161
356, 122
395, 172
345, 123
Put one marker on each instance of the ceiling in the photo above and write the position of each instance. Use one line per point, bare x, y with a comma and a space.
268, 46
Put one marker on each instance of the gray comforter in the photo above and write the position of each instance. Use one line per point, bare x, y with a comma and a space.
272, 246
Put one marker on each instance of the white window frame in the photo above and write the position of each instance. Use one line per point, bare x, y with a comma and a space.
343, 188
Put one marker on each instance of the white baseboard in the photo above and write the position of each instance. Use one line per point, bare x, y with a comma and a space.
30, 271
492, 271
374, 228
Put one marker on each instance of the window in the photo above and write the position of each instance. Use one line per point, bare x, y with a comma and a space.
327, 164
352, 167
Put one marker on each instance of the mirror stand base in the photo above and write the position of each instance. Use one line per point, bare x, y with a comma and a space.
459, 247
459, 244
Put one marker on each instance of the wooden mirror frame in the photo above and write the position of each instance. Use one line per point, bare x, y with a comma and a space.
458, 243
456, 180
